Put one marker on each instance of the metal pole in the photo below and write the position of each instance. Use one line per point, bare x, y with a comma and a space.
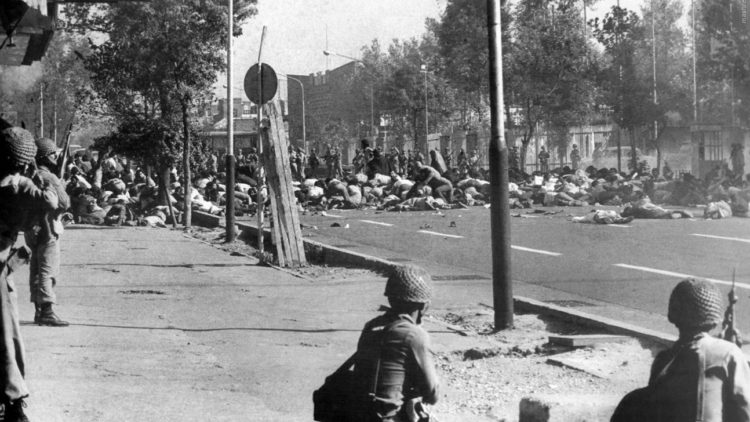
695, 80
230, 163
41, 110
653, 59
426, 125
259, 207
304, 131
502, 286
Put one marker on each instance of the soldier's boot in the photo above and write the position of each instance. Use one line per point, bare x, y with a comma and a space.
37, 312
48, 317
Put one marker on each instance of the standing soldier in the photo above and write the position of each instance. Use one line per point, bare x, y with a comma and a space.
21, 204
575, 157
514, 159
738, 161
543, 160
338, 167
44, 243
314, 163
447, 156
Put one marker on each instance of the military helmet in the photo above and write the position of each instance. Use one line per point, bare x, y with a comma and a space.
409, 283
695, 303
17, 145
45, 147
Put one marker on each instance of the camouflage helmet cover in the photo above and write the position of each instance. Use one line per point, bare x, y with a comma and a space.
409, 283
695, 303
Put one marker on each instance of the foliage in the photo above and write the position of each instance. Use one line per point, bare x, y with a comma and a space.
407, 78
552, 70
463, 44
159, 60
724, 43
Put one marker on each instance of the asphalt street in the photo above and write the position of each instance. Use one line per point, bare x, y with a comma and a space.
633, 266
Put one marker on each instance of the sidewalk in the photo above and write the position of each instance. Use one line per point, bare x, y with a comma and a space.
164, 327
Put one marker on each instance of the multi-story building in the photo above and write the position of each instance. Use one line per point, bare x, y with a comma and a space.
335, 109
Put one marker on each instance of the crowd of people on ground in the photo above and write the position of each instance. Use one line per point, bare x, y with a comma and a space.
111, 189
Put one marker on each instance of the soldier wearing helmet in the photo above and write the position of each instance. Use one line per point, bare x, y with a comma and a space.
701, 377
393, 355
22, 202
44, 243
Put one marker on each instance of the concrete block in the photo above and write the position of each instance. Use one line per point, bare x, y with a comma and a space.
568, 408
207, 220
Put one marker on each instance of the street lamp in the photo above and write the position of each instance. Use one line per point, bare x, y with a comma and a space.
372, 94
423, 69
304, 130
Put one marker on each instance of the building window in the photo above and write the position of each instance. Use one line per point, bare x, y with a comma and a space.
710, 146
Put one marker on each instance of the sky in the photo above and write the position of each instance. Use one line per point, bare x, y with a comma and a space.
296, 31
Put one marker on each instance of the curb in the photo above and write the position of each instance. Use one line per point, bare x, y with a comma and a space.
331, 255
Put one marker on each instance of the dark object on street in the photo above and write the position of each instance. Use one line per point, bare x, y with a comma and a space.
331, 401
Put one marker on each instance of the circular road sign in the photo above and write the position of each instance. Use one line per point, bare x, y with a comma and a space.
270, 83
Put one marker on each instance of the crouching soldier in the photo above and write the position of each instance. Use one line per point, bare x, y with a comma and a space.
45, 242
393, 359
22, 203
701, 378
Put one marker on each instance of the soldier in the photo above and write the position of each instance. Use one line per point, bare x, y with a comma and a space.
575, 158
44, 243
22, 203
393, 353
701, 377
543, 160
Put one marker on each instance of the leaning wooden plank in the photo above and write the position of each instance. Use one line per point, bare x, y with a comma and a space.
288, 214
275, 229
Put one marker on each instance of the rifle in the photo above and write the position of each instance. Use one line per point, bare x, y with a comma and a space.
729, 331
63, 158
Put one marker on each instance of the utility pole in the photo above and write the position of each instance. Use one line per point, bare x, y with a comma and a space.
41, 110
502, 285
261, 171
653, 60
426, 119
230, 163
695, 79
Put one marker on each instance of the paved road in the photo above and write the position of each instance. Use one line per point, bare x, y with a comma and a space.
634, 266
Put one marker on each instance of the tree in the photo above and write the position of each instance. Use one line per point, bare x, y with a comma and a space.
462, 41
627, 88
408, 79
724, 40
160, 58
672, 66
551, 76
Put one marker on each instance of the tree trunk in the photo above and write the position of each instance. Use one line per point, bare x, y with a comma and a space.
187, 216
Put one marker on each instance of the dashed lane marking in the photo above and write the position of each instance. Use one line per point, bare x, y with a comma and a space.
736, 239
376, 222
539, 251
680, 275
441, 234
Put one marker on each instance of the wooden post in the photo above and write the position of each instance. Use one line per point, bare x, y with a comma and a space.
286, 231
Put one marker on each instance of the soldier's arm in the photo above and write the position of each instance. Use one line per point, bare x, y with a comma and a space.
428, 384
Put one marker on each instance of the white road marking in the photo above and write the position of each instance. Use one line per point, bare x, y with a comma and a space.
619, 225
680, 275
441, 234
737, 239
521, 248
376, 222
